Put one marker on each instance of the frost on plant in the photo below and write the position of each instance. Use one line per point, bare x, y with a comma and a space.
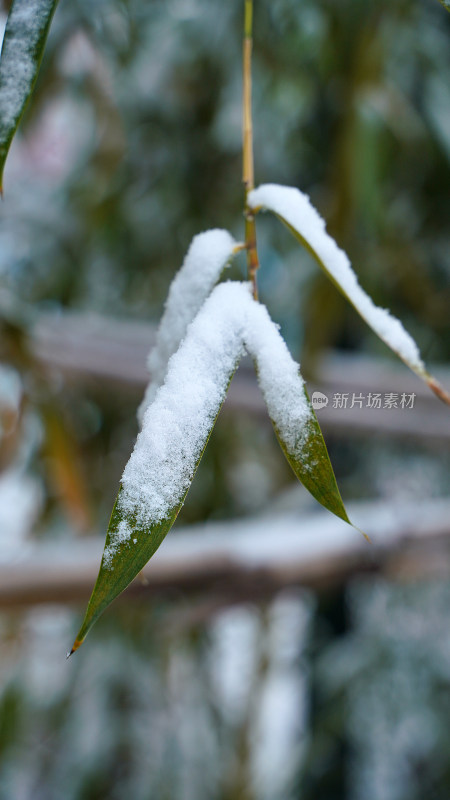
23, 45
204, 332
177, 424
295, 209
202, 337
208, 254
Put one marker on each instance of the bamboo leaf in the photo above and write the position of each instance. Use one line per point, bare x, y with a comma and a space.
175, 432
313, 468
208, 255
177, 425
295, 210
122, 562
293, 417
23, 46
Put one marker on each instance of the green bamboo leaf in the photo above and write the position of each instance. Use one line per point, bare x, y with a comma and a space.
121, 564
291, 412
314, 469
23, 46
295, 210
208, 254
175, 431
446, 4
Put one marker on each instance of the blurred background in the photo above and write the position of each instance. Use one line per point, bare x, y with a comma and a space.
238, 685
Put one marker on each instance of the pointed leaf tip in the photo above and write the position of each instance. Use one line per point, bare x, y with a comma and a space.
367, 538
291, 412
311, 464
77, 643
176, 429
438, 390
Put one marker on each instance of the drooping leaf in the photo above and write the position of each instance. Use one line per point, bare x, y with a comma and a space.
295, 210
121, 564
177, 425
208, 254
175, 431
26, 32
313, 468
293, 417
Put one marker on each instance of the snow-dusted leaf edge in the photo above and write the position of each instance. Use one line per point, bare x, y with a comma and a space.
23, 46
118, 570
293, 418
161, 468
208, 255
319, 481
294, 209
175, 431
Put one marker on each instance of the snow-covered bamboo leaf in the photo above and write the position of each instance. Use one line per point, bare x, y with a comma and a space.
295, 423
122, 562
26, 32
295, 210
175, 431
177, 425
209, 253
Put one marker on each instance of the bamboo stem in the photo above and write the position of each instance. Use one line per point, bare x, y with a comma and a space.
247, 148
247, 160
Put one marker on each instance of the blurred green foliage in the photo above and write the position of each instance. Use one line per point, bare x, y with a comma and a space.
350, 104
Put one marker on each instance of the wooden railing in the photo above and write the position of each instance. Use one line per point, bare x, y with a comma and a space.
246, 559
242, 560
113, 351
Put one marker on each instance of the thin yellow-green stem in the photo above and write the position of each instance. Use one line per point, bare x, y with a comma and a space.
247, 148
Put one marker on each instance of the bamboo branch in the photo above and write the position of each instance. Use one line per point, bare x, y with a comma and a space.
247, 154
247, 148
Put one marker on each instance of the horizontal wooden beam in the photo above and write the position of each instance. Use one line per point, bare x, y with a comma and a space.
246, 560
86, 347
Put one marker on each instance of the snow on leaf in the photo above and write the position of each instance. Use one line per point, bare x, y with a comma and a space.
177, 425
175, 431
295, 210
207, 256
295, 423
26, 32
